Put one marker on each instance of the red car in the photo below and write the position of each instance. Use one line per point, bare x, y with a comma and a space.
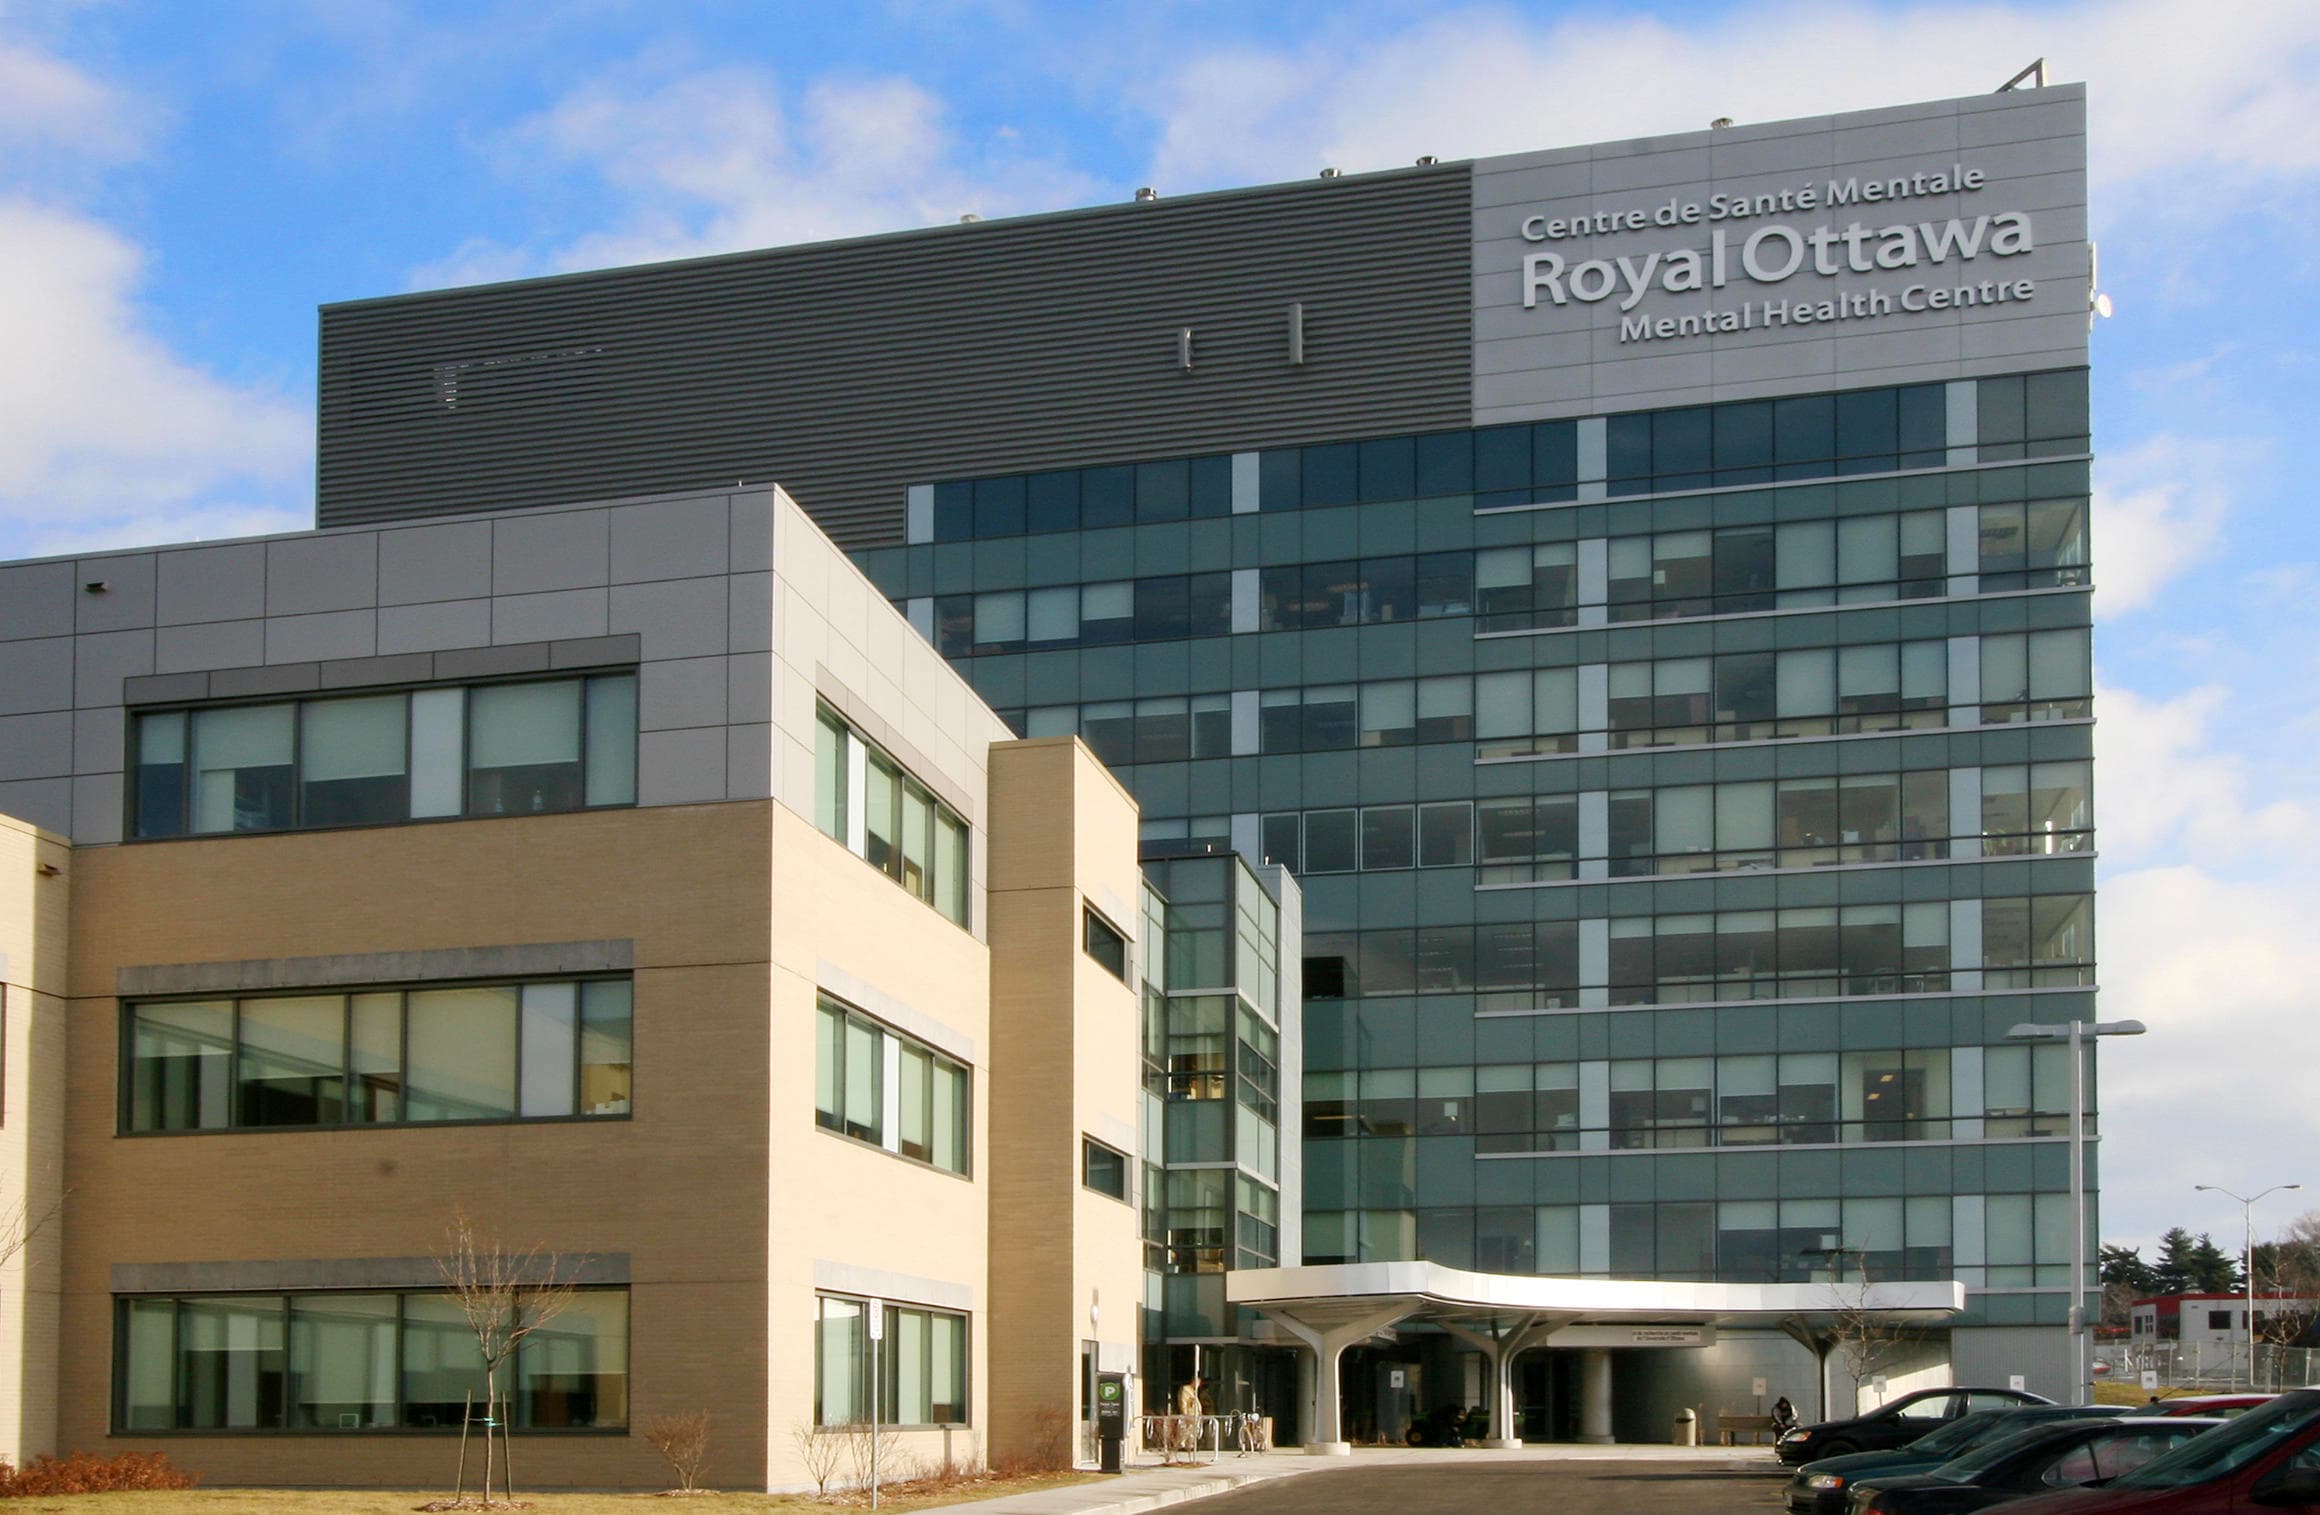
2225, 1405
2268, 1459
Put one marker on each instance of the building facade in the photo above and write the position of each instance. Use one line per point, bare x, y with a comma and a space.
625, 879
1685, 756
1639, 591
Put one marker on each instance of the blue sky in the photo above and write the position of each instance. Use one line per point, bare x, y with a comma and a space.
181, 186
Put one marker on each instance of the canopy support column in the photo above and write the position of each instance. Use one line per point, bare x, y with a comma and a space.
1819, 1343
1498, 1345
1327, 1436
1595, 1396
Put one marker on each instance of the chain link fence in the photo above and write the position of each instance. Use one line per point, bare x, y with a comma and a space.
2213, 1366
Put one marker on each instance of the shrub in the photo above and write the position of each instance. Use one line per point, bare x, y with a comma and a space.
684, 1441
81, 1473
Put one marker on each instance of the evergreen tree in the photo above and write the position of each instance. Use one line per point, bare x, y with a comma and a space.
2171, 1274
2210, 1270
2124, 1266
2125, 1279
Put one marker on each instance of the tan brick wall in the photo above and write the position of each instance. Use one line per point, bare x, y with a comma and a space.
35, 914
682, 1187
841, 1201
722, 1190
1066, 1066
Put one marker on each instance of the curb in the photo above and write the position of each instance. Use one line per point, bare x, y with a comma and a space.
1204, 1488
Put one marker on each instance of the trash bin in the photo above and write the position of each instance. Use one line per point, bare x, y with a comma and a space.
1687, 1427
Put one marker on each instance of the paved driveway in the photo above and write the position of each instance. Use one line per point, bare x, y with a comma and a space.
1572, 1487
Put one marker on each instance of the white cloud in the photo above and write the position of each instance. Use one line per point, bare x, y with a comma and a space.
2159, 509
2174, 96
726, 158
2205, 935
103, 428
2168, 792
2222, 971
45, 101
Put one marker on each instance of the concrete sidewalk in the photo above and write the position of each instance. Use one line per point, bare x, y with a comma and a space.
1151, 1486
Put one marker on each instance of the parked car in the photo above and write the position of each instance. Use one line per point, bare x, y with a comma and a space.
1896, 1424
2054, 1456
2224, 1405
2266, 1460
1825, 1485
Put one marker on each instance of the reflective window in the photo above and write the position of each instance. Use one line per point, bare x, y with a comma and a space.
1699, 828
490, 749
1807, 951
1105, 944
1102, 1168
2031, 416
2037, 676
1692, 447
2038, 544
914, 1101
907, 834
351, 1362
2037, 808
537, 1050
920, 1375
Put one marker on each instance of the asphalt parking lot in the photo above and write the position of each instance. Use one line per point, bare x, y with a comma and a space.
1608, 1487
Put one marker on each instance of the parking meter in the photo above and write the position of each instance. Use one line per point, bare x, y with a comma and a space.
1111, 1418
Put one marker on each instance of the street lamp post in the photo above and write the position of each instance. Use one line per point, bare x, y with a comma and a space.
2247, 1254
2075, 1033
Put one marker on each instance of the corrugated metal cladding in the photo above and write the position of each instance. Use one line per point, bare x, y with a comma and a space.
848, 371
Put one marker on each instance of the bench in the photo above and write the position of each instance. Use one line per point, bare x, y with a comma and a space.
1752, 1426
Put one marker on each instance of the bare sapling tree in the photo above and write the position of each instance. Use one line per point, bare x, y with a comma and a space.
504, 1294
682, 1439
820, 1448
1863, 1341
20, 1223
868, 1447
2287, 1285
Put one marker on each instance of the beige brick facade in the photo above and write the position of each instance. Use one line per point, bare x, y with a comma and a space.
720, 1199
1065, 1068
35, 920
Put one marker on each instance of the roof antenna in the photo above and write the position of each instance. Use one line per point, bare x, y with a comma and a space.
2035, 74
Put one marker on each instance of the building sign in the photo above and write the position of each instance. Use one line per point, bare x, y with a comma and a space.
1944, 263
1634, 1336
1910, 245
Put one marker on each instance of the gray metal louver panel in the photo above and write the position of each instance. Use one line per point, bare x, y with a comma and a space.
847, 371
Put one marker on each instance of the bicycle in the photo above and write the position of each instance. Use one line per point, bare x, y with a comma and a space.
1250, 1431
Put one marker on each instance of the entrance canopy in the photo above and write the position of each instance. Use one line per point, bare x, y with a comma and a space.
1333, 1306
1329, 1296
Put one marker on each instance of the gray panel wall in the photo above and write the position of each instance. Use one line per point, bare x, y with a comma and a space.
1574, 359
735, 611
847, 371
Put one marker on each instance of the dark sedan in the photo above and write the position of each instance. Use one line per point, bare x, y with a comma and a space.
2053, 1456
2266, 1459
1896, 1424
1825, 1485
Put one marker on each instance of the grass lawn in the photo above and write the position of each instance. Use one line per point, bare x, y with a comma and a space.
899, 1498
2133, 1394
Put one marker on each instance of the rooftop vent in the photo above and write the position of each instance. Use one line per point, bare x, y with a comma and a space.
1428, 161
1719, 123
969, 219
1146, 194
1330, 173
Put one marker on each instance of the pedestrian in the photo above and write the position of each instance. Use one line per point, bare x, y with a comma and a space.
1188, 1413
1783, 1417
